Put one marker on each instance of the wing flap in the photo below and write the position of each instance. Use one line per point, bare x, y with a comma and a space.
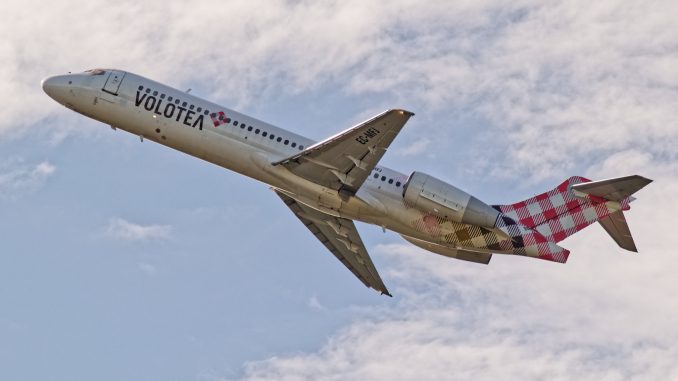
341, 238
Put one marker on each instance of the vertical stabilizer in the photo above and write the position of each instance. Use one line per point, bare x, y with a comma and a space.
575, 204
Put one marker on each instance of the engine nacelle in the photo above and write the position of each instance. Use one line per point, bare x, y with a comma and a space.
446, 201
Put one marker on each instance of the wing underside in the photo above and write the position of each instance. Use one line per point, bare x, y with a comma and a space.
341, 238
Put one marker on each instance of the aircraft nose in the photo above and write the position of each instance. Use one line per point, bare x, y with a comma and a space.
48, 85
56, 86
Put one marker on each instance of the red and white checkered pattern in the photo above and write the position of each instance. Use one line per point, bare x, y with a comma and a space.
546, 206
557, 214
534, 225
219, 119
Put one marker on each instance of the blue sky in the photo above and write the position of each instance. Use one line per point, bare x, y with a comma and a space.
127, 260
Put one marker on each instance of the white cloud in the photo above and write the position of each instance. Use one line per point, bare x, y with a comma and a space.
314, 304
124, 230
415, 148
147, 268
17, 178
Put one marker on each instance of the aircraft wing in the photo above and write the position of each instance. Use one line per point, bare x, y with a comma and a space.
341, 237
344, 161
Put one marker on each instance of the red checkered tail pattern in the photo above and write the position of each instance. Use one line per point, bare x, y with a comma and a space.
577, 203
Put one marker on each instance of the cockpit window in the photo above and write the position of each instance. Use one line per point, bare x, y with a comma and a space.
95, 71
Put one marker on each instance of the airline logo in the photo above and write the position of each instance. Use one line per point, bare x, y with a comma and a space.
220, 118
169, 110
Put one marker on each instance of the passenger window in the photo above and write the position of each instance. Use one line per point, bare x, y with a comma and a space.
264, 134
398, 183
383, 178
235, 122
184, 104
162, 96
278, 140
249, 128
294, 145
141, 87
213, 114
376, 175
176, 101
155, 93
256, 131
169, 99
148, 91
301, 147
221, 117
191, 107
199, 109
242, 125
207, 112
390, 181
286, 142
271, 136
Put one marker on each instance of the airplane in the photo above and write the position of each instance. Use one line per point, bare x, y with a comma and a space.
332, 183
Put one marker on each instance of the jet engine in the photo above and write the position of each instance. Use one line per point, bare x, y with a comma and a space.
441, 199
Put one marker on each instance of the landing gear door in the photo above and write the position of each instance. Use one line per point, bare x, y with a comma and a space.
113, 82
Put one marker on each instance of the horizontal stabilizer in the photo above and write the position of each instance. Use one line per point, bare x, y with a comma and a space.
616, 189
615, 225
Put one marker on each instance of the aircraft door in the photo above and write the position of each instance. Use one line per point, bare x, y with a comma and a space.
113, 82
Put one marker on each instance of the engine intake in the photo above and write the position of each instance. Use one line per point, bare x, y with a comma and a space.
441, 199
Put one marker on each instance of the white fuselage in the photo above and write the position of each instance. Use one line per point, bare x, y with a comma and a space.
187, 123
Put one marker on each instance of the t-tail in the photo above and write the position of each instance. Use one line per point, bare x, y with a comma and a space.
573, 205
